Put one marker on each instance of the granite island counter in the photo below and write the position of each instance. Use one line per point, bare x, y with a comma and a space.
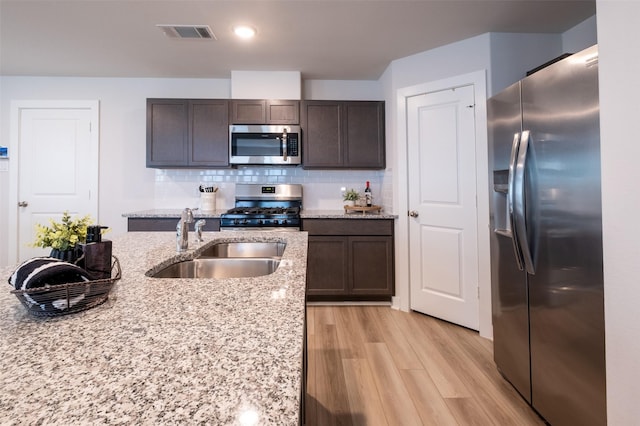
159, 351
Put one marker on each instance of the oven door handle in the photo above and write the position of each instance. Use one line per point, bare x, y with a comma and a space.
284, 144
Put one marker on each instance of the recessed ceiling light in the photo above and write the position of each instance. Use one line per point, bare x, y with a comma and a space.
244, 31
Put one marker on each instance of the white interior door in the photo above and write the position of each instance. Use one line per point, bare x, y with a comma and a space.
57, 168
443, 253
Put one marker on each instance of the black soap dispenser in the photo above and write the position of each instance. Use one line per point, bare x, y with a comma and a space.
97, 253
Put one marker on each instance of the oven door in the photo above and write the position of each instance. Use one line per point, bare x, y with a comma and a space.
264, 144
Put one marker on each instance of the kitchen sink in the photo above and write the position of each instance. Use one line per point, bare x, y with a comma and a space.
220, 268
228, 260
244, 250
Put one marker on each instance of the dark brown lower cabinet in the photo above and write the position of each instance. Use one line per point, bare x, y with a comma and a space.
327, 266
349, 259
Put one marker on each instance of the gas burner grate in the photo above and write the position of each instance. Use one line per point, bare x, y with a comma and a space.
265, 210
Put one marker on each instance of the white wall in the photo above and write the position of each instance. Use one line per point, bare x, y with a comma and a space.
619, 67
362, 90
506, 57
581, 36
467, 56
512, 55
126, 185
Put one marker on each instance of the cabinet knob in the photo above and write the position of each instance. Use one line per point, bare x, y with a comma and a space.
22, 204
413, 213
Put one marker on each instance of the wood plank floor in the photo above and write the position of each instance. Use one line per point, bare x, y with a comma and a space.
373, 365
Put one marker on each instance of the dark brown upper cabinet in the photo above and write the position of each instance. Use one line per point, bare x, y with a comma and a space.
343, 134
187, 133
265, 111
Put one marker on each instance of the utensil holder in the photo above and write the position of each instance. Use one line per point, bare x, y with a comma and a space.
207, 201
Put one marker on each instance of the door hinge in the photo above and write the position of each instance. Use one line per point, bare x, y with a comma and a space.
478, 292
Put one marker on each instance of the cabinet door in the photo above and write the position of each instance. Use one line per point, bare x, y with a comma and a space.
327, 266
248, 111
265, 111
371, 267
364, 135
322, 144
343, 135
209, 139
282, 112
167, 132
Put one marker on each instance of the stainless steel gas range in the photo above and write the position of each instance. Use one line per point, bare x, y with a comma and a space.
262, 207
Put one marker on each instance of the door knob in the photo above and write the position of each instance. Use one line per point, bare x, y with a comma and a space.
22, 204
413, 213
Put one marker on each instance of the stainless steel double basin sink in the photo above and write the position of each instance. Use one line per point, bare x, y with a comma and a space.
228, 260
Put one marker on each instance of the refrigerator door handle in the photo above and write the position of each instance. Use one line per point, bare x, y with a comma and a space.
511, 229
519, 206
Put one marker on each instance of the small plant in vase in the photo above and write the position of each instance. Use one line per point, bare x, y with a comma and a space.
63, 237
350, 197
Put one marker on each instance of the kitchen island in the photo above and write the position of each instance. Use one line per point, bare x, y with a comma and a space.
163, 351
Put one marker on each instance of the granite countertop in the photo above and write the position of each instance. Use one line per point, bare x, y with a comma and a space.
304, 214
341, 214
163, 351
172, 213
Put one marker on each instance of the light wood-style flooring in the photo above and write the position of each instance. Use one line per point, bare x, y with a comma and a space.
373, 365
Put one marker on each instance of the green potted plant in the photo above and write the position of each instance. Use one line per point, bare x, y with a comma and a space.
350, 197
63, 237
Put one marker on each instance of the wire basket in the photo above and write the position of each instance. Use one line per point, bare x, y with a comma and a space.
63, 299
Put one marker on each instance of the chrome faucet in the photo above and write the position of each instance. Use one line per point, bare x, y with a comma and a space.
198, 228
182, 230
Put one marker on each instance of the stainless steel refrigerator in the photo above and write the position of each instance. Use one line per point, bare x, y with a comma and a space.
546, 244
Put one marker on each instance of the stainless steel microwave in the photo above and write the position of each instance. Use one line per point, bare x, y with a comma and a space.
255, 144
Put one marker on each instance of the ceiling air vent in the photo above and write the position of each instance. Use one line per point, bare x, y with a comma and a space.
187, 31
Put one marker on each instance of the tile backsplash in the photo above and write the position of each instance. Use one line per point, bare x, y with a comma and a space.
176, 188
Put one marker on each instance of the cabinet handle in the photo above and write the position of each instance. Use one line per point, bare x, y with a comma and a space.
22, 204
413, 213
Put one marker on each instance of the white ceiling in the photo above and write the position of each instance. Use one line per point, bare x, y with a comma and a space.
324, 39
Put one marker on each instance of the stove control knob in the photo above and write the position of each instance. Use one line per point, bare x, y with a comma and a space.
235, 221
284, 221
245, 221
260, 221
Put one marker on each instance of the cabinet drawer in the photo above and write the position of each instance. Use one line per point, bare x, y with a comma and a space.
147, 224
348, 226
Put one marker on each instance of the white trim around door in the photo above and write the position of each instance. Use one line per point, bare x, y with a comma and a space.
18, 108
402, 298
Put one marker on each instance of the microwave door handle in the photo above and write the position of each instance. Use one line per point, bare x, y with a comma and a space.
284, 144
